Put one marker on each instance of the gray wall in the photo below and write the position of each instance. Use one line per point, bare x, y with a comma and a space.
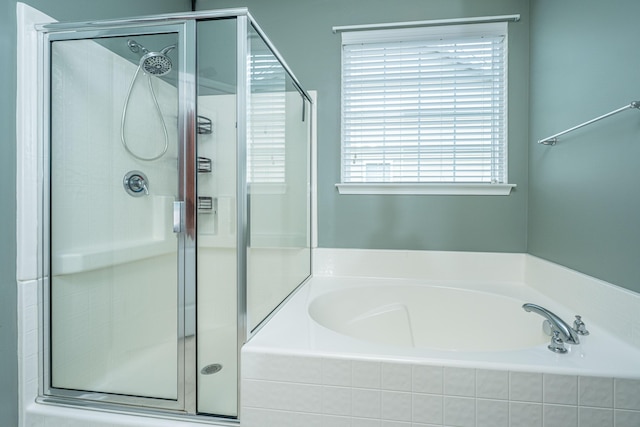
61, 10
301, 30
584, 193
582, 65
8, 320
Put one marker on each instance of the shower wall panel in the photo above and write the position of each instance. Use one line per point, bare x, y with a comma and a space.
217, 294
89, 85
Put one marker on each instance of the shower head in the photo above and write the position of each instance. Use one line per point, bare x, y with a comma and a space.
156, 63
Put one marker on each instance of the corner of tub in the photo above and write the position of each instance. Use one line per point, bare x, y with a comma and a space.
592, 298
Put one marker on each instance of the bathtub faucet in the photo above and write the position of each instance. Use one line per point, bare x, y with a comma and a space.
565, 333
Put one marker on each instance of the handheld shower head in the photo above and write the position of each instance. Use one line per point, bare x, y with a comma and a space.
153, 63
156, 63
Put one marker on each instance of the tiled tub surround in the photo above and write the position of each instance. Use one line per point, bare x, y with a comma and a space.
297, 373
286, 390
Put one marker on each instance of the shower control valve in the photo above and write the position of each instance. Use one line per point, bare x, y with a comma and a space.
136, 184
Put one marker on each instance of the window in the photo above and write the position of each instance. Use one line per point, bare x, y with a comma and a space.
266, 118
425, 106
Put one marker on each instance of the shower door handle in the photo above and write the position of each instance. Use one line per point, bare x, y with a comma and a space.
178, 208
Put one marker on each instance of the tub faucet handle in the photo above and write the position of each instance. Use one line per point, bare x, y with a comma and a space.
557, 345
579, 326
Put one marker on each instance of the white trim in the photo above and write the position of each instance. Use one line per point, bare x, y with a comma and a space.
429, 23
427, 189
314, 168
28, 88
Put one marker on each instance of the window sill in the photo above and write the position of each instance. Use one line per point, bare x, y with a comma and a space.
427, 189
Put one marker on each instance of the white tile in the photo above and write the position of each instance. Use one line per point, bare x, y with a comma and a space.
492, 384
336, 400
281, 367
396, 406
336, 372
282, 396
334, 421
459, 382
525, 387
256, 417
627, 394
525, 414
428, 408
366, 374
365, 403
459, 411
389, 423
365, 422
30, 344
595, 417
428, 379
28, 293
561, 389
492, 413
560, 416
595, 391
626, 418
396, 376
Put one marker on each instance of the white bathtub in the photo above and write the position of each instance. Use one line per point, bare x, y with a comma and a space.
450, 323
429, 315
431, 338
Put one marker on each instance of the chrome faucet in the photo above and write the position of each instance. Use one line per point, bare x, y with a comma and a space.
565, 332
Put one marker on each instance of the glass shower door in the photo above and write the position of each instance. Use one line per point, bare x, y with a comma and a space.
116, 279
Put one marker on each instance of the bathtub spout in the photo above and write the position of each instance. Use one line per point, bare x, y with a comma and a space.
567, 334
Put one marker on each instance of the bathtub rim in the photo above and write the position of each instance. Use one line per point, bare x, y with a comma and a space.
296, 329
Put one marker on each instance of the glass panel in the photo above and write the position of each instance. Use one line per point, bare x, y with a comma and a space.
278, 141
217, 237
114, 278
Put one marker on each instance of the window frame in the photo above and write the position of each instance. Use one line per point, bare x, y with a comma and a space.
424, 188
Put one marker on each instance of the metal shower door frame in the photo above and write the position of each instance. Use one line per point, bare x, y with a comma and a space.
185, 407
186, 196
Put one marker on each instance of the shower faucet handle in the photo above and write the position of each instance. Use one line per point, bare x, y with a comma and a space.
136, 183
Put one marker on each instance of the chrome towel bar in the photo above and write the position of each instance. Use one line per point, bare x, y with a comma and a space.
551, 140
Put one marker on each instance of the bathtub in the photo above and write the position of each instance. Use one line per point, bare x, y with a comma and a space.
455, 323
427, 315
408, 338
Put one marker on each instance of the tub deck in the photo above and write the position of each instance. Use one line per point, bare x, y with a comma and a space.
294, 331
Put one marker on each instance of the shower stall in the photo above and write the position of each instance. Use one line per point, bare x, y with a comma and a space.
176, 207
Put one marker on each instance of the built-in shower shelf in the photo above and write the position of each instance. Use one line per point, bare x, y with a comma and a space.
108, 256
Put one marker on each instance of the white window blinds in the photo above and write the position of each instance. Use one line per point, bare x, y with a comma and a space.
425, 105
266, 120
